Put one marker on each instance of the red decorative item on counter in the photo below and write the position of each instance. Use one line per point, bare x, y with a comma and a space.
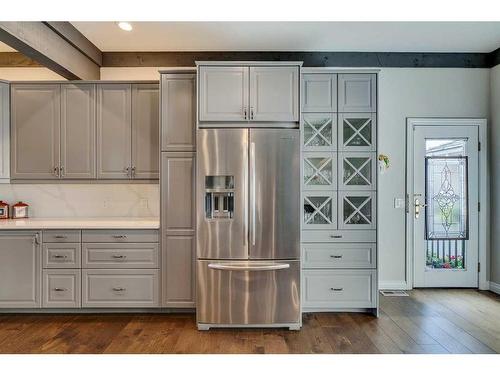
4, 210
20, 210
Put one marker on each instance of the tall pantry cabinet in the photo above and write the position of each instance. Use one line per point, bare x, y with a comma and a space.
339, 161
177, 185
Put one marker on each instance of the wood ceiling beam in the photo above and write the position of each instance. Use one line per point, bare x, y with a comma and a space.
42, 43
17, 60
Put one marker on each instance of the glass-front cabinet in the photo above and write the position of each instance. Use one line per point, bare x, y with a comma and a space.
357, 132
319, 132
357, 171
320, 210
319, 171
356, 210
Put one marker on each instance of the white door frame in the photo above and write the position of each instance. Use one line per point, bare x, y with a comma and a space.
484, 193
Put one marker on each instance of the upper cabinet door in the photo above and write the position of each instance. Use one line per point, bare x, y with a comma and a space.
319, 93
113, 131
4, 133
274, 93
145, 131
223, 93
357, 93
78, 130
178, 108
35, 116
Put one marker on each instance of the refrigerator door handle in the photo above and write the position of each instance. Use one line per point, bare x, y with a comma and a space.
252, 192
248, 267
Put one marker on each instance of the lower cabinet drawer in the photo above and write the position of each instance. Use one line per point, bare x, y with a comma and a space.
61, 255
330, 289
346, 235
61, 288
339, 255
120, 235
128, 255
120, 288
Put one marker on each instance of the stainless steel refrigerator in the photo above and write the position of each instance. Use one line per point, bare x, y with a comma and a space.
248, 228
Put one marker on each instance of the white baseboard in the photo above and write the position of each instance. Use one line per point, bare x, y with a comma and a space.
393, 285
495, 287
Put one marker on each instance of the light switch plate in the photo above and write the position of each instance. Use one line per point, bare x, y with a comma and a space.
399, 203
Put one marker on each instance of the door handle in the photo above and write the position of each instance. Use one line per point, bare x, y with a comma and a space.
248, 267
245, 114
251, 113
252, 192
418, 205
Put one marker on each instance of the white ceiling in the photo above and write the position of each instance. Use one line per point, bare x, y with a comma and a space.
296, 36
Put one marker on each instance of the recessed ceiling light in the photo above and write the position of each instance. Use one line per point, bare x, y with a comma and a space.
125, 26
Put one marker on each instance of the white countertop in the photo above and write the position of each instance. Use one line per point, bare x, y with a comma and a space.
81, 223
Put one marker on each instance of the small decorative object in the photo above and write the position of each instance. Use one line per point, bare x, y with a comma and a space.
20, 210
383, 163
4, 210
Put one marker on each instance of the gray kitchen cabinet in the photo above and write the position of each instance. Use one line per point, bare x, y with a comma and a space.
357, 210
357, 93
4, 132
177, 193
145, 131
178, 112
179, 272
35, 131
114, 131
62, 288
319, 171
357, 171
274, 92
319, 92
319, 132
20, 269
178, 228
357, 132
78, 132
319, 210
223, 93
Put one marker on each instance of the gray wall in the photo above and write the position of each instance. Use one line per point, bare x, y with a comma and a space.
495, 176
416, 92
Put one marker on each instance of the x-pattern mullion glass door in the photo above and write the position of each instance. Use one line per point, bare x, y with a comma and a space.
357, 132
319, 210
319, 171
319, 132
356, 210
357, 171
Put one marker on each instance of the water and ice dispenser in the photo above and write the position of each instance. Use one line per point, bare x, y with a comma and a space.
219, 197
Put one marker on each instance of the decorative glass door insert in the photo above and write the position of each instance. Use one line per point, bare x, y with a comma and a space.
320, 133
320, 171
357, 132
357, 171
357, 210
319, 210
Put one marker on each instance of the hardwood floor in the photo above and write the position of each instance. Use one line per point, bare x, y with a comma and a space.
429, 321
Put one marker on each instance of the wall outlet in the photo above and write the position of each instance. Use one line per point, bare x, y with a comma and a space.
399, 203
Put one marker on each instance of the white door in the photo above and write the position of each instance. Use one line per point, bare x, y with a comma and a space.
444, 205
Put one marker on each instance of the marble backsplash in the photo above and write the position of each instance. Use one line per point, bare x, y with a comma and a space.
85, 200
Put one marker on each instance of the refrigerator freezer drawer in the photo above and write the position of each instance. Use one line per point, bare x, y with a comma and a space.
248, 292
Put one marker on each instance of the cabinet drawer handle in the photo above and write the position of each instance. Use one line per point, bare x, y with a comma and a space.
58, 256
118, 236
119, 256
119, 289
60, 289
335, 236
336, 256
337, 289
251, 113
60, 237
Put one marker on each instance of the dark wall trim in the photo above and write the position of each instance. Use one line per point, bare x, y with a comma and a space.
495, 57
323, 59
17, 60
